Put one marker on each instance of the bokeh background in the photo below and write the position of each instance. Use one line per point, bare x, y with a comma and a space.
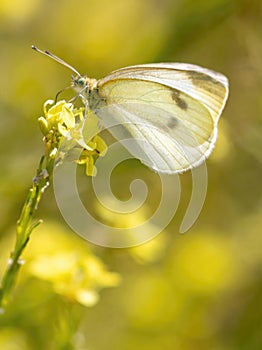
201, 290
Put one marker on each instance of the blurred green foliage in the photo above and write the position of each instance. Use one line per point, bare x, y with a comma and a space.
201, 290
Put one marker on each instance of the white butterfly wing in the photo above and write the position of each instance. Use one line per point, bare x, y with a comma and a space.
169, 110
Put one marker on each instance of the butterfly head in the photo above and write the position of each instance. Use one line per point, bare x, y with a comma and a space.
80, 83
83, 84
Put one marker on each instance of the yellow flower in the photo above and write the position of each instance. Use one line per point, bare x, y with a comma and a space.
62, 121
97, 149
60, 117
78, 278
70, 268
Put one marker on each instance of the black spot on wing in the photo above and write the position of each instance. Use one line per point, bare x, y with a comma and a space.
199, 76
172, 123
205, 82
179, 101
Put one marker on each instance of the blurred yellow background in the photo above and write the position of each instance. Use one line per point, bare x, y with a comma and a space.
201, 290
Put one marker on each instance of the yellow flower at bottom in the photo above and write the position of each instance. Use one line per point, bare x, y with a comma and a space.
78, 278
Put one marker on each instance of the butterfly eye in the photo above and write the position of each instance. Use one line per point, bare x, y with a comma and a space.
81, 82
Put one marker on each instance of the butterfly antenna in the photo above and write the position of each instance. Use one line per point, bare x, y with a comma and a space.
57, 59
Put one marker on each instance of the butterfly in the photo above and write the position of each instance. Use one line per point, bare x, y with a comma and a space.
165, 114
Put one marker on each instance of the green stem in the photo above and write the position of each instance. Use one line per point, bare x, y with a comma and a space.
25, 226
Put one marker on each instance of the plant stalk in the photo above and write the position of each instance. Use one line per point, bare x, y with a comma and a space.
25, 226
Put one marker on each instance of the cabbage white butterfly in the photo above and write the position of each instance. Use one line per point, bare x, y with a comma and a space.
170, 110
